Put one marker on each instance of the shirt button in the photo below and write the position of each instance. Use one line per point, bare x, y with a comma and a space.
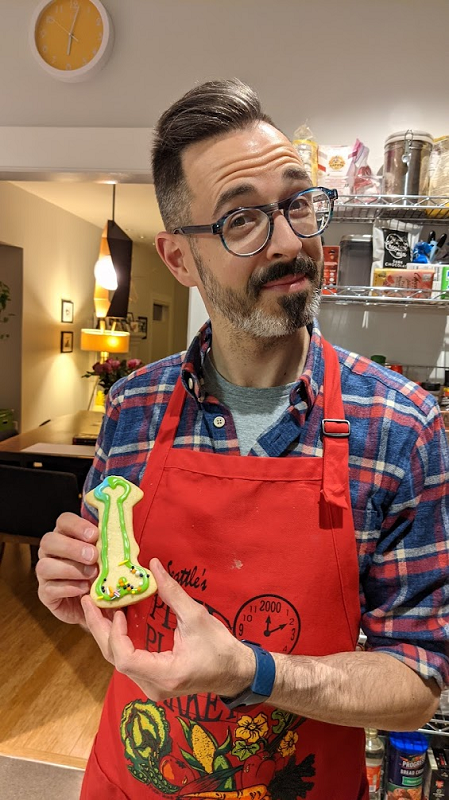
190, 383
219, 422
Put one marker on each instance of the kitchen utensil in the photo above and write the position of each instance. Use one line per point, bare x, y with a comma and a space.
437, 246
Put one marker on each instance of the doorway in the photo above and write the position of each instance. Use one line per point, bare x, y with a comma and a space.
11, 291
161, 327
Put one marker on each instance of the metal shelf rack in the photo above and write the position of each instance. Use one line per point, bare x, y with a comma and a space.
438, 725
367, 208
385, 296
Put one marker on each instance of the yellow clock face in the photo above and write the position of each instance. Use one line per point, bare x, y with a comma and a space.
70, 35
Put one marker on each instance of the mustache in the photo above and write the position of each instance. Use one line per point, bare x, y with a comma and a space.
301, 266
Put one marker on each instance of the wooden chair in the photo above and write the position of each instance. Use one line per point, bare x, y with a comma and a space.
30, 502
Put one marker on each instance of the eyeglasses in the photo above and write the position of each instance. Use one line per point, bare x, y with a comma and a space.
246, 231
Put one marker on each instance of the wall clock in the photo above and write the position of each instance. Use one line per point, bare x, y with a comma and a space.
71, 39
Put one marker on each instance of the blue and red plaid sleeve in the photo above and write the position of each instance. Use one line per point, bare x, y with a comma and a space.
406, 590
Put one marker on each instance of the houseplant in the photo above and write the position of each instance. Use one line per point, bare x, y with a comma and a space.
109, 371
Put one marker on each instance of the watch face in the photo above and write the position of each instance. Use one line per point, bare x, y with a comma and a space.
269, 621
70, 35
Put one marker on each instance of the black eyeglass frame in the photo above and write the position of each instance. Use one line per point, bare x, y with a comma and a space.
269, 209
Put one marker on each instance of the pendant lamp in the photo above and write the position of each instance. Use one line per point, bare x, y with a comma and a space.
99, 339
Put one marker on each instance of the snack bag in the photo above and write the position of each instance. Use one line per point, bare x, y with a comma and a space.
361, 179
334, 163
393, 243
307, 148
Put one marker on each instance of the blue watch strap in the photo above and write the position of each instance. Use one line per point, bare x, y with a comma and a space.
263, 681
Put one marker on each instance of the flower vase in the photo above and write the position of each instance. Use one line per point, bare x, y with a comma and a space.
99, 403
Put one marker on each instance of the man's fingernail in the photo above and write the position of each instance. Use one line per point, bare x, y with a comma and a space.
89, 572
89, 534
87, 553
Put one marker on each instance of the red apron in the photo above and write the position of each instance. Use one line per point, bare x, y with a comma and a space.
268, 546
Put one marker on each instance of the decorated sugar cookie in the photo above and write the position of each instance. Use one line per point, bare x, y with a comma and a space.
121, 579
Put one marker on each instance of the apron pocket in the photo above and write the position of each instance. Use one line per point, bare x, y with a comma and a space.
97, 785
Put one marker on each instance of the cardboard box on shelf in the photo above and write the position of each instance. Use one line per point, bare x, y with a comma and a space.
331, 258
403, 282
436, 774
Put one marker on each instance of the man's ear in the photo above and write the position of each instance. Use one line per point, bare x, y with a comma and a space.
171, 251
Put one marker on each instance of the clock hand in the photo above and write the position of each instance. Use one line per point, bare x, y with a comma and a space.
268, 632
71, 36
62, 27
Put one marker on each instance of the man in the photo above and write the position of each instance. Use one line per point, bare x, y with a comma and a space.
292, 493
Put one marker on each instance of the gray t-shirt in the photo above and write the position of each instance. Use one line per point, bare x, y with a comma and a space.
253, 410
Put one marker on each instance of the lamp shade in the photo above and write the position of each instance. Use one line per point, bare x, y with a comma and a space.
98, 340
104, 270
105, 273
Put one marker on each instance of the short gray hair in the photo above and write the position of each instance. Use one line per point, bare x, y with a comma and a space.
211, 109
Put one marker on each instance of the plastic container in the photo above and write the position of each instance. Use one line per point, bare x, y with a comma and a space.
406, 163
445, 281
356, 259
406, 759
432, 388
396, 368
439, 178
374, 758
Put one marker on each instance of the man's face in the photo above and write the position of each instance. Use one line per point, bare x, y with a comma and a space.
276, 291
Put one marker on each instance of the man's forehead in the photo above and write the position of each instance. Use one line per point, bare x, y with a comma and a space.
239, 155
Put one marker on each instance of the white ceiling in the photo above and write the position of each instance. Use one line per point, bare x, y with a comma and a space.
136, 210
349, 68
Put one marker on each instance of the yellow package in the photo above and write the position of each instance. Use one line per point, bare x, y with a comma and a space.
307, 149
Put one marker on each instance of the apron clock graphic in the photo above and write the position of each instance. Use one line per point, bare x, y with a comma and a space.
270, 621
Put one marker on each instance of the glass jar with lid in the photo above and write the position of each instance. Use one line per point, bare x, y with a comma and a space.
406, 163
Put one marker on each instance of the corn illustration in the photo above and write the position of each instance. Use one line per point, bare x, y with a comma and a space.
203, 748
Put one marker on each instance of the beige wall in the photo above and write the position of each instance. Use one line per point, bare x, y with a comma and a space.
59, 251
152, 280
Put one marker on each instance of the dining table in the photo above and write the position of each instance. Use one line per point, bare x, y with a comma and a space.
65, 443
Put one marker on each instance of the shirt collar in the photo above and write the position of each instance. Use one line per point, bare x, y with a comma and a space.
306, 388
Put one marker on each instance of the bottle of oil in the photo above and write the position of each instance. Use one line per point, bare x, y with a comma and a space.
374, 757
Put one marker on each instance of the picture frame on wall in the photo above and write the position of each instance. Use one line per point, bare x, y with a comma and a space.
66, 311
143, 326
66, 342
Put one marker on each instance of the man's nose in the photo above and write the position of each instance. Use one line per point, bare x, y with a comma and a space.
284, 242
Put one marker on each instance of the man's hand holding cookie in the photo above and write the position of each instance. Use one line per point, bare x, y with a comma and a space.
67, 566
206, 657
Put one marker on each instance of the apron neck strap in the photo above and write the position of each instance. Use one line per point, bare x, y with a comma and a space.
335, 430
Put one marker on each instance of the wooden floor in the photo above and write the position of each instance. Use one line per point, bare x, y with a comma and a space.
52, 676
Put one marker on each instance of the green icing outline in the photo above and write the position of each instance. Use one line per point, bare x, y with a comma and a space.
112, 482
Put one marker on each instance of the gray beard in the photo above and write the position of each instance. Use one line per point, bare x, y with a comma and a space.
295, 310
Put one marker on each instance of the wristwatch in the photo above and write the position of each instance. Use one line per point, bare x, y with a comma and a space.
263, 682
